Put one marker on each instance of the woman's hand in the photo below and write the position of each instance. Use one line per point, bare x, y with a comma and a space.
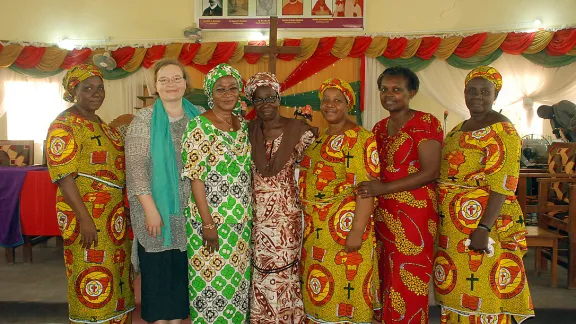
154, 223
88, 232
369, 189
353, 241
479, 241
210, 239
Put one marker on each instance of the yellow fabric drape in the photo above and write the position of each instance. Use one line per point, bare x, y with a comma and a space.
173, 51
52, 59
541, 40
377, 46
492, 43
447, 47
9, 54
342, 47
238, 53
572, 52
411, 48
308, 47
136, 60
204, 53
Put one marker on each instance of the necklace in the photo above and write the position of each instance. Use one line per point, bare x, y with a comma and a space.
227, 123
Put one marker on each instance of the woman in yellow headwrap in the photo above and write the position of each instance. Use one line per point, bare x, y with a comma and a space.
479, 275
86, 159
339, 266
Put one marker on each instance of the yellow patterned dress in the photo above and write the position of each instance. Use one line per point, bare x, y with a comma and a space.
474, 287
100, 286
338, 287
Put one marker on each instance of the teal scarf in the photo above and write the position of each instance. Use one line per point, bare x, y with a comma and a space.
164, 168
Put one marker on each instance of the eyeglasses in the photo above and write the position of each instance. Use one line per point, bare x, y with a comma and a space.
268, 100
174, 79
222, 91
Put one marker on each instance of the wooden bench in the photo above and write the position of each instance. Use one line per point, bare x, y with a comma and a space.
541, 238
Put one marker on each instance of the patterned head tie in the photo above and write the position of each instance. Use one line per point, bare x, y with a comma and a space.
219, 71
261, 79
486, 72
75, 76
342, 86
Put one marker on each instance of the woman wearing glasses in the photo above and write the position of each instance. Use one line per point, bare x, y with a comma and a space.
157, 197
216, 157
277, 146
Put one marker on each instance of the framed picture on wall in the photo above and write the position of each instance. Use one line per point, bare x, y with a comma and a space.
292, 8
237, 7
266, 7
322, 8
212, 8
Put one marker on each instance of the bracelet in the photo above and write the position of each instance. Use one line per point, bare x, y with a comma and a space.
209, 226
484, 227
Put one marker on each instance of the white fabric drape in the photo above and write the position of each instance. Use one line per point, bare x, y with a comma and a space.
525, 86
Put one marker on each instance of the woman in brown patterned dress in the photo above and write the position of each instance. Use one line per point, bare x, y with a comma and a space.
277, 145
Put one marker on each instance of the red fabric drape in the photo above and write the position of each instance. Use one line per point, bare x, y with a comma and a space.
320, 60
153, 54
252, 58
123, 55
395, 47
428, 47
222, 54
517, 43
562, 42
289, 42
361, 44
1, 47
470, 45
188, 53
30, 57
75, 57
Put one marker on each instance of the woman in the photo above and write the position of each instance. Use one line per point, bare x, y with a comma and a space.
216, 157
157, 197
340, 271
86, 159
277, 145
479, 275
409, 145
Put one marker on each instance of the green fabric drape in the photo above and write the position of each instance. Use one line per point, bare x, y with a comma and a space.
34, 73
474, 61
414, 63
545, 60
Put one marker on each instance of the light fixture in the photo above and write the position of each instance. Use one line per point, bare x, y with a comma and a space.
538, 23
257, 36
66, 44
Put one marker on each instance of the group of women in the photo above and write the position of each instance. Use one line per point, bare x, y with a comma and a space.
267, 222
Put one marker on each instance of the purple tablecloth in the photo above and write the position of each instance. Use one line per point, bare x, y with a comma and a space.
11, 181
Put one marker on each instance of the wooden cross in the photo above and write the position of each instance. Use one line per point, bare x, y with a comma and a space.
272, 49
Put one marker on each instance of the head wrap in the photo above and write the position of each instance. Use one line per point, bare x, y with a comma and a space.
75, 76
219, 71
342, 86
261, 79
486, 72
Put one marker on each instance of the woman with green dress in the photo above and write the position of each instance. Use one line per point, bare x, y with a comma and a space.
216, 156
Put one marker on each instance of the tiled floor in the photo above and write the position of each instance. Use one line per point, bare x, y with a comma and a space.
36, 293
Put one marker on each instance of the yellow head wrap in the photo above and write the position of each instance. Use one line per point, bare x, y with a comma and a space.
342, 86
75, 76
486, 72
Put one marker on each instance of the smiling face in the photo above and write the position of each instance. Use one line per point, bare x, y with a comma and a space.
170, 83
394, 93
480, 95
266, 111
334, 106
226, 93
90, 94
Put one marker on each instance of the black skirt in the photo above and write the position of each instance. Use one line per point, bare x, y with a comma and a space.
164, 277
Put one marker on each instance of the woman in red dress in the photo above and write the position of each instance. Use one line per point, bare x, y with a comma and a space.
409, 145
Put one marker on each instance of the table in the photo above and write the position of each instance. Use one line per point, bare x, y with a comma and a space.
538, 237
30, 209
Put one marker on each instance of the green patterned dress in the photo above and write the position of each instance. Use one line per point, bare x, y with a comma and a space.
219, 283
